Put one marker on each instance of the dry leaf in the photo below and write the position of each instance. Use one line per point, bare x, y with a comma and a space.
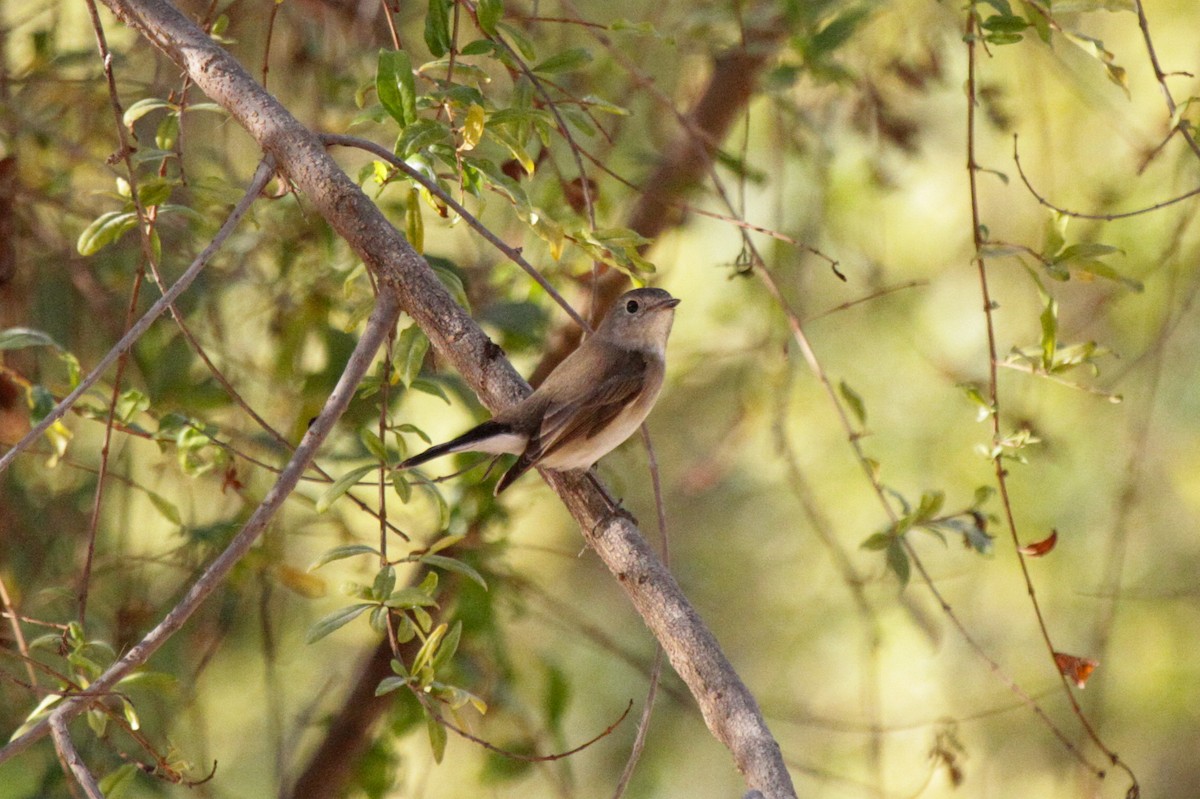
1039, 548
1075, 668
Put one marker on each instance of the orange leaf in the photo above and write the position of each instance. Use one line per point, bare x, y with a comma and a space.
1075, 668
1039, 548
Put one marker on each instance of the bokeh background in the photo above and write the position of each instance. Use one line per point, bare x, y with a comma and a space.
855, 145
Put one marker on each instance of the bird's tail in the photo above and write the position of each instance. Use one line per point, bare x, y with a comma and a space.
475, 439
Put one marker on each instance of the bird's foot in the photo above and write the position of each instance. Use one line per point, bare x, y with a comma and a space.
615, 506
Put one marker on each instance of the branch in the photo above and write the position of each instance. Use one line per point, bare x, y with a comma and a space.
66, 749
728, 708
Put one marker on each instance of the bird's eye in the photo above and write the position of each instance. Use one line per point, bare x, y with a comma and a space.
632, 306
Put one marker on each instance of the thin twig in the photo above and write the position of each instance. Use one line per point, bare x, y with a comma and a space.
145, 226
19, 636
512, 253
66, 749
1161, 77
1001, 474
1080, 214
643, 729
491, 747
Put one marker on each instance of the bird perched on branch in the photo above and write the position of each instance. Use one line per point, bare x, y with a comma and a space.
594, 400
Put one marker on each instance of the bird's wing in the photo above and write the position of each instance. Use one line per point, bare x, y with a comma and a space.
565, 421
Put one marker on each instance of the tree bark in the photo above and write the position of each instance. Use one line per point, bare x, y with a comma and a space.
729, 709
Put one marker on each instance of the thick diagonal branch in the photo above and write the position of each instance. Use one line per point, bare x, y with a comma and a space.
728, 707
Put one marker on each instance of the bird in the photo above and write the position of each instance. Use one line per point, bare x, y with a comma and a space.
592, 401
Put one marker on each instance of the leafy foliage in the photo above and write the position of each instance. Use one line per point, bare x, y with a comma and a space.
542, 127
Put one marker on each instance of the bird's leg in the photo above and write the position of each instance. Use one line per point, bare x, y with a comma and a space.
614, 505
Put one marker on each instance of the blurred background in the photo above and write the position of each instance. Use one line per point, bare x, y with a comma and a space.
850, 144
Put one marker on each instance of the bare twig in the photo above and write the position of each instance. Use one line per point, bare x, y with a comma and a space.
66, 750
512, 253
491, 747
1080, 214
19, 637
639, 741
144, 226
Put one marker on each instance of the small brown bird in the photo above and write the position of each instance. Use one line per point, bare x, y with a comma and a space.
594, 400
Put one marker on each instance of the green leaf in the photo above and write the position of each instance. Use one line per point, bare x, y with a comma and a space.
431, 388
424, 656
414, 223
1101, 269
395, 87
342, 485
437, 28
155, 192
445, 542
374, 444
982, 495
556, 697
389, 684
333, 621
342, 552
443, 509
1054, 235
130, 404
385, 582
838, 31
595, 103
1049, 342
897, 561
167, 133
447, 648
116, 783
931, 503
165, 507
489, 13
411, 346
1087, 250
854, 401
1005, 23
519, 39
565, 61
409, 597
479, 46
104, 230
422, 134
141, 108
878, 541
402, 487
1003, 38
19, 338
437, 736
453, 565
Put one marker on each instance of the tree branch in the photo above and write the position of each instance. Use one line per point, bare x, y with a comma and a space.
728, 707
66, 750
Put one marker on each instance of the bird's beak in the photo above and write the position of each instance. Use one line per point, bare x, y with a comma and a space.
671, 303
